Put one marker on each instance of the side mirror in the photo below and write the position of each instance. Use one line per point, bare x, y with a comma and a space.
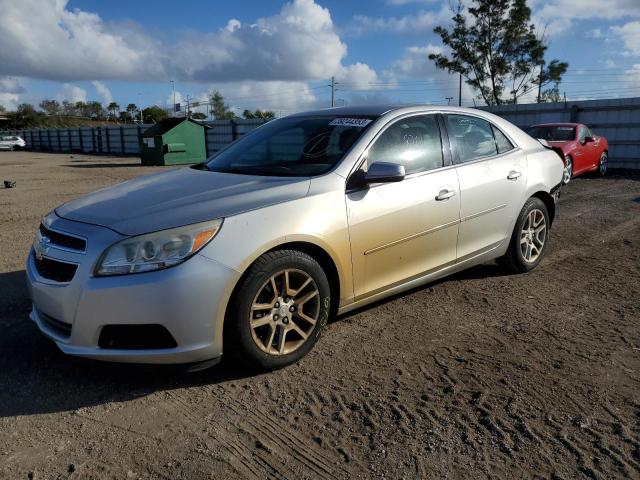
384, 172
589, 139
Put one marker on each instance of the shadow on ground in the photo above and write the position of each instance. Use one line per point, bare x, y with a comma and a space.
37, 378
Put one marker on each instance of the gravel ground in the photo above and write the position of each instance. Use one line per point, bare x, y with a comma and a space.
480, 375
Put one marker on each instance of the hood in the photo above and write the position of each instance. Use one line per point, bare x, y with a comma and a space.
179, 197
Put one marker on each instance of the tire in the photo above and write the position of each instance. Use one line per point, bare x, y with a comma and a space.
603, 164
567, 174
261, 329
515, 259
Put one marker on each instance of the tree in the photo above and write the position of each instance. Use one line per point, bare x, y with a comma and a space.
2, 109
154, 114
113, 109
50, 107
95, 110
82, 109
219, 109
198, 116
263, 115
125, 117
495, 48
551, 95
68, 108
26, 116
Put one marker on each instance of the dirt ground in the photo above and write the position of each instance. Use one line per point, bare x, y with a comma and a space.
482, 375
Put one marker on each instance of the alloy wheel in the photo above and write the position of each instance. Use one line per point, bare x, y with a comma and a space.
533, 235
603, 164
568, 170
285, 312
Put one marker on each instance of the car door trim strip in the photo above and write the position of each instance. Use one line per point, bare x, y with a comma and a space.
483, 212
411, 237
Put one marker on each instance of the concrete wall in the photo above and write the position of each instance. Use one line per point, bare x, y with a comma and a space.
616, 119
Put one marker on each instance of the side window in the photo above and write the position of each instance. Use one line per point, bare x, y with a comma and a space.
412, 142
582, 135
502, 142
471, 137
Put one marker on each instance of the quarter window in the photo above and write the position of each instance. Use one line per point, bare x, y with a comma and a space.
412, 142
502, 142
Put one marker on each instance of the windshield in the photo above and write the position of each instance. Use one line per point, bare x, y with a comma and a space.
553, 133
292, 146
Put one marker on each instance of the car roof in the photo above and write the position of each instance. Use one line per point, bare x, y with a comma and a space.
557, 124
378, 110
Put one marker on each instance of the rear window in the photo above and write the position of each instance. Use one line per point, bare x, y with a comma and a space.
553, 133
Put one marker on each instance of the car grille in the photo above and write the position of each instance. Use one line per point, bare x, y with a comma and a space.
54, 269
62, 329
62, 240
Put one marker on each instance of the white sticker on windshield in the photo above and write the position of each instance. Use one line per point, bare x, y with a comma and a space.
350, 122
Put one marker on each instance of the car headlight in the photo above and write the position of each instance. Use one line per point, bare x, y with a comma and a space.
155, 251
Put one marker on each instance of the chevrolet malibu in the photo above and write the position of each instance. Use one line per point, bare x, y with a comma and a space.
306, 217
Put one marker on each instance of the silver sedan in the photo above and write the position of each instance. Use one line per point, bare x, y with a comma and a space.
306, 217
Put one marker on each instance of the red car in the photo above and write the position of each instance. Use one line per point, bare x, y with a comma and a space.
583, 151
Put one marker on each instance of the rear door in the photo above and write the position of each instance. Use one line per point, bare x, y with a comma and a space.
401, 230
492, 175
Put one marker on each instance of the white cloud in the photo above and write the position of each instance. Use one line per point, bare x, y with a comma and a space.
45, 39
437, 84
407, 2
630, 35
9, 100
11, 85
358, 75
270, 95
10, 90
556, 17
415, 61
103, 91
71, 93
419, 22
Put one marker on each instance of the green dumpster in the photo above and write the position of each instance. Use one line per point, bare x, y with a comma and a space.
173, 141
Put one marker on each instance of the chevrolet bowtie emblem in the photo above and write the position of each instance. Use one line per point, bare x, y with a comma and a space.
42, 247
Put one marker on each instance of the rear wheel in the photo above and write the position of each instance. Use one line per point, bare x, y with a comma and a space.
529, 238
279, 311
602, 166
568, 170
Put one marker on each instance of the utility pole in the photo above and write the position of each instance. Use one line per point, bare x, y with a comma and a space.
540, 82
187, 113
333, 92
173, 84
460, 91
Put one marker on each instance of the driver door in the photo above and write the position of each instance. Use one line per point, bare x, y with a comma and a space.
399, 231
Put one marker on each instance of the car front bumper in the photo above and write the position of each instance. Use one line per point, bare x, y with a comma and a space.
189, 300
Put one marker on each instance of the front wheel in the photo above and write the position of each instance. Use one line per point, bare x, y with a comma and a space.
568, 170
529, 238
602, 166
279, 310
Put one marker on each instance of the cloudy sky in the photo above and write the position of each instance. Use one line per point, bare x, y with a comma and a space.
279, 54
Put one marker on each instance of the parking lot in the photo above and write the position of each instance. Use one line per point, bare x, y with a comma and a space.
479, 375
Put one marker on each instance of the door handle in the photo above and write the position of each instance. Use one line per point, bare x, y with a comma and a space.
513, 175
445, 195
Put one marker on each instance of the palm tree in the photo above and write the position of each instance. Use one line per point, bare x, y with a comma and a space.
113, 109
